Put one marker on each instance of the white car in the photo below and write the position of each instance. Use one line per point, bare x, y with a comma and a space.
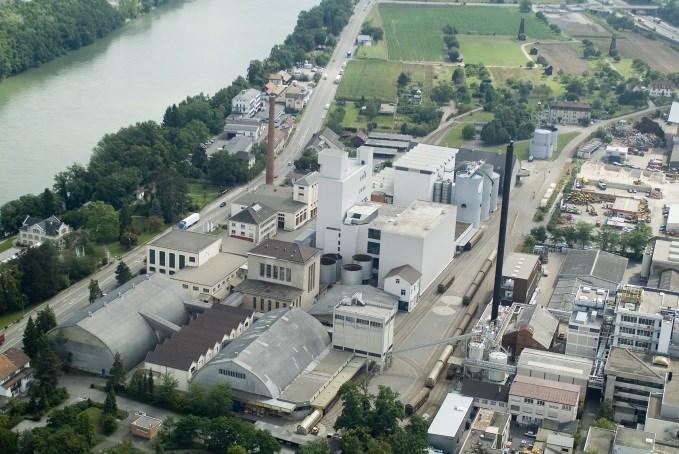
327, 106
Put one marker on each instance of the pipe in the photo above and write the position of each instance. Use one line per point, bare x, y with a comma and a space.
504, 214
270, 141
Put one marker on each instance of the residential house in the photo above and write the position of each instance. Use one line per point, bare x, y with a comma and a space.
35, 231
247, 102
661, 88
281, 274
568, 112
533, 400
291, 203
280, 78
255, 223
145, 426
404, 283
297, 97
364, 40
325, 138
15, 373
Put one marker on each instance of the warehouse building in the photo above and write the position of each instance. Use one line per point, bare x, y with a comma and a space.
186, 352
283, 365
131, 321
447, 428
520, 278
556, 367
534, 400
597, 268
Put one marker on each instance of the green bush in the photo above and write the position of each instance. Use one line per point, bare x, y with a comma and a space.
108, 424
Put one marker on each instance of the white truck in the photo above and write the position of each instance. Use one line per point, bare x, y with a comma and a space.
188, 221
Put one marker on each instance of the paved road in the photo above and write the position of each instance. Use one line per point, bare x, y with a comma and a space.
77, 295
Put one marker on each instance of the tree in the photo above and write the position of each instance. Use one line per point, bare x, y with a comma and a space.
102, 221
129, 237
469, 132
604, 423
110, 404
125, 217
521, 36
388, 410
95, 291
167, 391
605, 410
123, 273
117, 373
525, 6
454, 54
315, 447
211, 403
355, 405
583, 231
638, 239
613, 48
458, 76
149, 384
11, 297
539, 233
108, 423
42, 274
45, 320
30, 338
403, 80
46, 372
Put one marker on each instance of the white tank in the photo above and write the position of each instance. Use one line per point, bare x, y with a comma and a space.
475, 352
646, 260
486, 193
366, 263
328, 270
352, 274
497, 358
495, 192
468, 197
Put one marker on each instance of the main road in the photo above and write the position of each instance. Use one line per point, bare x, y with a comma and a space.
77, 295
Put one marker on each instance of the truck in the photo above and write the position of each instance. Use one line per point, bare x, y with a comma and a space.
602, 185
188, 221
338, 78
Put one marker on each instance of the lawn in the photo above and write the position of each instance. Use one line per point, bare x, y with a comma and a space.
353, 120
201, 193
414, 33
454, 136
492, 50
7, 243
535, 75
117, 249
377, 50
370, 78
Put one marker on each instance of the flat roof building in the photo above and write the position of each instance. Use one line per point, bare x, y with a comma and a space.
215, 279
556, 367
179, 249
418, 170
520, 277
490, 431
446, 429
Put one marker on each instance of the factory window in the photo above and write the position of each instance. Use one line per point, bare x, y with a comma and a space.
162, 258
628, 319
185, 285
646, 321
171, 272
171, 259
182, 261
261, 270
403, 292
626, 330
288, 274
276, 304
268, 271
376, 325
152, 256
192, 260
162, 271
541, 403
231, 373
275, 272
206, 290
373, 248
515, 408
349, 319
195, 287
527, 400
566, 407
269, 304
261, 304
376, 263
152, 268
339, 317
374, 234
254, 302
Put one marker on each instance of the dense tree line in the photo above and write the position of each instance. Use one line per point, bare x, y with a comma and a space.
670, 12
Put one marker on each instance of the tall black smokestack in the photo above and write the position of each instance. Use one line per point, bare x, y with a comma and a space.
504, 213
270, 141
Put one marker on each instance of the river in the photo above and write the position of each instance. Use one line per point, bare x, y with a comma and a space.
53, 115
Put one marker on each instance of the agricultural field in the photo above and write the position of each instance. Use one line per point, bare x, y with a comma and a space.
492, 50
578, 25
414, 33
564, 57
536, 76
658, 55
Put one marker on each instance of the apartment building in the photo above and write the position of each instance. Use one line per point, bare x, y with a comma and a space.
533, 400
568, 112
255, 223
179, 249
247, 102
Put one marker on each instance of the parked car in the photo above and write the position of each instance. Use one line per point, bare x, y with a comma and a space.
222, 205
530, 434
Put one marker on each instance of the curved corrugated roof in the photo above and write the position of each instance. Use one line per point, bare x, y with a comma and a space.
275, 350
116, 321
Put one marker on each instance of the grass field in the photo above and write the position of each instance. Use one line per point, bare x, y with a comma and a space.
535, 75
658, 55
7, 243
201, 194
352, 119
414, 33
372, 78
117, 249
564, 57
454, 136
492, 50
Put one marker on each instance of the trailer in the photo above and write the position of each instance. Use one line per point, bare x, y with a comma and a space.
476, 237
433, 376
188, 221
443, 286
417, 401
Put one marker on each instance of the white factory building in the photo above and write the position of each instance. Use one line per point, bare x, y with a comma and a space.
475, 192
416, 173
343, 182
543, 144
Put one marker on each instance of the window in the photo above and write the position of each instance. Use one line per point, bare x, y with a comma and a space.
288, 275
269, 305
182, 262
206, 290
152, 268
268, 271
192, 260
172, 260
398, 281
541, 403
185, 285
152, 256
195, 288
275, 272
162, 271
403, 292
312, 277
231, 373
373, 248
515, 408
374, 234
162, 258
254, 303
276, 304
528, 401
261, 270
566, 407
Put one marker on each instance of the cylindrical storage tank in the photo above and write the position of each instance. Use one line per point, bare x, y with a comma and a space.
366, 263
496, 191
328, 270
475, 353
338, 264
447, 193
646, 260
352, 274
486, 191
437, 191
497, 376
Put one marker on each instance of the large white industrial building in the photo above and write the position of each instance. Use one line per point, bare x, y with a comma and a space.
416, 173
